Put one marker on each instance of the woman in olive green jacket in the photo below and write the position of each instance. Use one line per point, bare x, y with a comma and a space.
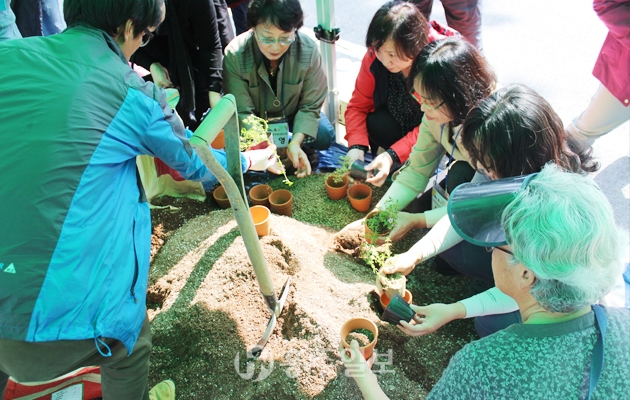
276, 72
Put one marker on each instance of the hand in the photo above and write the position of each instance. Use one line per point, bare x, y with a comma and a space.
356, 154
430, 318
353, 226
262, 159
383, 162
214, 98
299, 159
403, 263
354, 361
160, 75
406, 222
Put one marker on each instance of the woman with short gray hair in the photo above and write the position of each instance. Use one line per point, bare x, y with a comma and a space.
556, 251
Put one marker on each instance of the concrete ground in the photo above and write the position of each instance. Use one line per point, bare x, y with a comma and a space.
550, 46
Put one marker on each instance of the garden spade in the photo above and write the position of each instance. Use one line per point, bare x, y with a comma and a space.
223, 116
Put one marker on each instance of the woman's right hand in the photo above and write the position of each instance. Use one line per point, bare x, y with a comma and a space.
403, 263
160, 76
406, 222
429, 319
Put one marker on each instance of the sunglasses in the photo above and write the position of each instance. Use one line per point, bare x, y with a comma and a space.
491, 249
146, 37
418, 98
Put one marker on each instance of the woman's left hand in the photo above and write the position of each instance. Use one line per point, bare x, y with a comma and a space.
383, 162
298, 157
354, 361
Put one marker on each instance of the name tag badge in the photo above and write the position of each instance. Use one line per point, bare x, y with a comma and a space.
439, 197
280, 133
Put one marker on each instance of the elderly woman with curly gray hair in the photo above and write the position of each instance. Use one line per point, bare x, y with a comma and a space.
556, 250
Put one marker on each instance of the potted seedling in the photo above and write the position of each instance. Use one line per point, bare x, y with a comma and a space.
375, 257
380, 222
337, 181
255, 132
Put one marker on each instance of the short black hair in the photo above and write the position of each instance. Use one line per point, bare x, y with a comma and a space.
286, 15
453, 71
403, 23
110, 15
515, 131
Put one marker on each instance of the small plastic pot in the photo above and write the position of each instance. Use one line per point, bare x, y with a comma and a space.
281, 202
397, 310
385, 300
368, 232
360, 196
360, 323
221, 197
259, 195
357, 170
336, 191
219, 141
260, 215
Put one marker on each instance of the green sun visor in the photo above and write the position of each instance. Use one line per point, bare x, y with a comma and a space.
475, 209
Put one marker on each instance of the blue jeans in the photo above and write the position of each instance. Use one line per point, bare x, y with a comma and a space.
325, 134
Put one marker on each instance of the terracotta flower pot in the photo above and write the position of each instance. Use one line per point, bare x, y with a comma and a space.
360, 196
260, 215
259, 195
281, 202
385, 300
221, 197
360, 323
368, 232
336, 191
219, 141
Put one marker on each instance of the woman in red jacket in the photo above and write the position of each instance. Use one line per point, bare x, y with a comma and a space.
381, 112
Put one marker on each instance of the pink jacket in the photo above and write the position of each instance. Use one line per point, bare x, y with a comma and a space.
612, 68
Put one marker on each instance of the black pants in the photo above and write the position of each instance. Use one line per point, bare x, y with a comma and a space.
383, 130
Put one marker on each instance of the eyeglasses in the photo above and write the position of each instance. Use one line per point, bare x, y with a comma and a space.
269, 41
418, 98
146, 37
491, 249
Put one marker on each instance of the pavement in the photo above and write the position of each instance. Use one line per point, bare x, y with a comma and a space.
550, 46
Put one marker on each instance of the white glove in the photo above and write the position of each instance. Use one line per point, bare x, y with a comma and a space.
260, 160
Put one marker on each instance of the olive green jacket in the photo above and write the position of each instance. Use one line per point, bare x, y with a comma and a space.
301, 82
414, 175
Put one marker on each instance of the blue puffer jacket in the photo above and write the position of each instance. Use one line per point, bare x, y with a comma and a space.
75, 231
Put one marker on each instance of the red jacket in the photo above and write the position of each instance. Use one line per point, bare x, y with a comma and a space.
363, 102
612, 68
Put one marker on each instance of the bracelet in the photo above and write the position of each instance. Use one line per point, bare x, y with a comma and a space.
361, 147
393, 155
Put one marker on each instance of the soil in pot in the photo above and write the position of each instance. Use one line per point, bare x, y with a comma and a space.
360, 324
336, 190
363, 336
393, 284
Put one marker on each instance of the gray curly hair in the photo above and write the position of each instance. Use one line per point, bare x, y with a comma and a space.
562, 227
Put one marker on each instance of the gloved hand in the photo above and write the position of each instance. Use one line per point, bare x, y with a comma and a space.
260, 160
